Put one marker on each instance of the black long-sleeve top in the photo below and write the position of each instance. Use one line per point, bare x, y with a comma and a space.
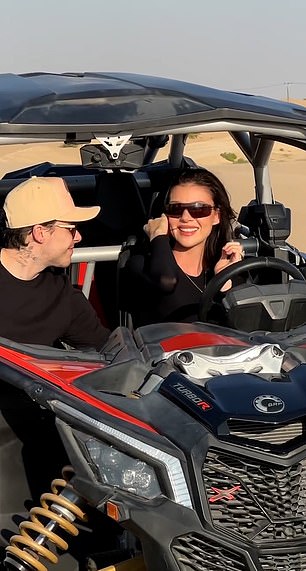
48, 309
158, 288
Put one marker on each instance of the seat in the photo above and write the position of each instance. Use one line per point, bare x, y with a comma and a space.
161, 178
122, 210
122, 214
127, 201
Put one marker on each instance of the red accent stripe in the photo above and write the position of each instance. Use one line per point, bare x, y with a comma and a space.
81, 273
190, 340
93, 292
32, 365
68, 372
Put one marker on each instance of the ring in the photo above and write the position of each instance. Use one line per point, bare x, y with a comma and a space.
242, 254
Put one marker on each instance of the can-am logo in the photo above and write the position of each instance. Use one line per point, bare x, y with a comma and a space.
269, 404
224, 494
191, 396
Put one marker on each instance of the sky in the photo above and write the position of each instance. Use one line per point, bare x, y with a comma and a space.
254, 46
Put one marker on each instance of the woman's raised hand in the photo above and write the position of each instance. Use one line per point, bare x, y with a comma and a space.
232, 252
156, 227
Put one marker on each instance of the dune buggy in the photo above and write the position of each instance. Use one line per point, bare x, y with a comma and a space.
186, 442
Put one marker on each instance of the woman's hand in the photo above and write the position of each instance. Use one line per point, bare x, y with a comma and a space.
156, 227
232, 252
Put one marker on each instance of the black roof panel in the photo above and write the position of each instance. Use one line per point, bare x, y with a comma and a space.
125, 102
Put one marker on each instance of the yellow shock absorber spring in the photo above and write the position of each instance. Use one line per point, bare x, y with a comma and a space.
61, 512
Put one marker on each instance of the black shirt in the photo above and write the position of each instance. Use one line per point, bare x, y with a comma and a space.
157, 288
47, 309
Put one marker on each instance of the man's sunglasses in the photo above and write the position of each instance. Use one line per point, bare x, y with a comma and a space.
71, 227
195, 209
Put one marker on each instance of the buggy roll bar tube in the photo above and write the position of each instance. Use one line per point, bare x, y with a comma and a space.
91, 255
258, 152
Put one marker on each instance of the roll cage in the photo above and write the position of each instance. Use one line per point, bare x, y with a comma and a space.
122, 121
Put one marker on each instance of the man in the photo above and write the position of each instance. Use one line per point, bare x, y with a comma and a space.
38, 304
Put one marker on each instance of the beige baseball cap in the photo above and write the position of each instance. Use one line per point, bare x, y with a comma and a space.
42, 199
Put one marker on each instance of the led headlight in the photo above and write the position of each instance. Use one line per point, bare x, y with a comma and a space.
128, 472
116, 468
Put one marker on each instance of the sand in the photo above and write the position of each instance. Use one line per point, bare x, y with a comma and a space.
287, 171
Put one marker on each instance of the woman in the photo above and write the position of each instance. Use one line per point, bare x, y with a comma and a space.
189, 243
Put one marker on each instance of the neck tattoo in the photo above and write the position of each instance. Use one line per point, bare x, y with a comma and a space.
196, 285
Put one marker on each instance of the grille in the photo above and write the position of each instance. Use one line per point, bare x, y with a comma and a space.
257, 500
289, 562
266, 432
196, 553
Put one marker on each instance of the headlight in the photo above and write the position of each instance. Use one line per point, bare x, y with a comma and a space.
116, 468
128, 471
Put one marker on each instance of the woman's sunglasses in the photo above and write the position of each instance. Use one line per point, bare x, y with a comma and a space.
195, 209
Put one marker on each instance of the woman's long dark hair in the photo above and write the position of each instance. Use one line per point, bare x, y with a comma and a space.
222, 232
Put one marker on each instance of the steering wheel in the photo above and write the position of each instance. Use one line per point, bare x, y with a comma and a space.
218, 281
